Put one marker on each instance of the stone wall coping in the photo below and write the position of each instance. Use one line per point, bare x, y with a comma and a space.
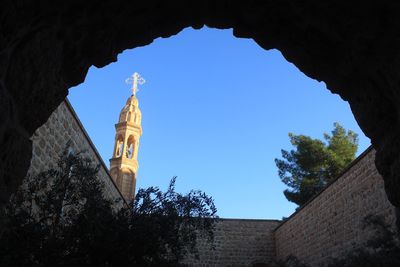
86, 135
354, 162
255, 220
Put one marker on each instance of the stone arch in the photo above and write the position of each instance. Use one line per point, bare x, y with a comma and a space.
48, 48
130, 147
119, 146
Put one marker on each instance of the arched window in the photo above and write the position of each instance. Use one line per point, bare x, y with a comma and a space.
130, 148
119, 147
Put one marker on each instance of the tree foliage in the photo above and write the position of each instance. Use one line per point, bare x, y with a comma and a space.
314, 163
61, 218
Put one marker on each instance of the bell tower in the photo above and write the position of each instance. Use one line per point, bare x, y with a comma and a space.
124, 163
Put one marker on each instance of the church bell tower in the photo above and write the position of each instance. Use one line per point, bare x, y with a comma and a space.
124, 163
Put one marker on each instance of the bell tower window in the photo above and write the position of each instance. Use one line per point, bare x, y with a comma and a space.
119, 147
130, 147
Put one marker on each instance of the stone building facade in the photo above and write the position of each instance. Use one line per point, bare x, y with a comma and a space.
326, 227
51, 138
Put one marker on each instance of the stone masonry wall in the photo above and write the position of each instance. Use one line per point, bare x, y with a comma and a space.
51, 138
238, 242
331, 223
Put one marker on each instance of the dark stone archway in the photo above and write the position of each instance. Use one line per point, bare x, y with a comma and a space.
47, 47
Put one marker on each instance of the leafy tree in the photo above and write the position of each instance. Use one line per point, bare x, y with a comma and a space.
61, 218
314, 163
167, 225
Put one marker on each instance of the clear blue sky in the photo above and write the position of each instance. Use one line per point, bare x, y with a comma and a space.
216, 112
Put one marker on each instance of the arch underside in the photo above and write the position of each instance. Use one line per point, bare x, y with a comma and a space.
47, 47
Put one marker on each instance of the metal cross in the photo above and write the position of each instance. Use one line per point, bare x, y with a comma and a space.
135, 79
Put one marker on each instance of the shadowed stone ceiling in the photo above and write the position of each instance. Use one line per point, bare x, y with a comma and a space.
47, 47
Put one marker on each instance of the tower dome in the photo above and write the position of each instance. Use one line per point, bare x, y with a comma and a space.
130, 112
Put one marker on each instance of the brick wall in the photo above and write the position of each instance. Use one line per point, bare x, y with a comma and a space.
238, 242
51, 138
331, 224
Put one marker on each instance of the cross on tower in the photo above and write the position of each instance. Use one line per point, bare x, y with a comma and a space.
135, 79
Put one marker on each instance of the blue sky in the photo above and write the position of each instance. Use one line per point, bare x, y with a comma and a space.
216, 112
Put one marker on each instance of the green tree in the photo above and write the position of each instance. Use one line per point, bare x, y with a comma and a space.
314, 163
61, 218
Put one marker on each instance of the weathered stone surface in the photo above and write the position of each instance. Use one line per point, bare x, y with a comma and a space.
49, 142
47, 46
331, 225
237, 243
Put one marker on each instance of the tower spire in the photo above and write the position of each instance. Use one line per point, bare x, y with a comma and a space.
124, 163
